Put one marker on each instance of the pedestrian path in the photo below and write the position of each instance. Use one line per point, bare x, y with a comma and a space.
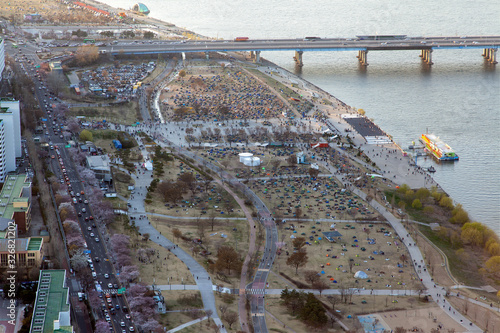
200, 275
183, 326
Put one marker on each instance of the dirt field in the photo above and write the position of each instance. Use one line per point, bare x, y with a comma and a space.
125, 114
333, 258
423, 319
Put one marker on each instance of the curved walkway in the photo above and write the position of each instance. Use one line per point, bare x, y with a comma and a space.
200, 275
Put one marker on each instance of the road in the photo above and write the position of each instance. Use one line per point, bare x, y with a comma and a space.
326, 44
63, 168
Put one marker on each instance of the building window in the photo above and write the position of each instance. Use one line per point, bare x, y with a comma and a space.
3, 259
21, 259
31, 262
31, 254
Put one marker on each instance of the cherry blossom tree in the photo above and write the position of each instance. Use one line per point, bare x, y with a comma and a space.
102, 326
129, 274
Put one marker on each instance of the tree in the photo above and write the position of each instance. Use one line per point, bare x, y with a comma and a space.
320, 285
292, 160
299, 242
333, 300
188, 179
230, 317
177, 233
493, 265
313, 313
311, 276
416, 204
86, 54
102, 326
228, 258
149, 35
182, 73
313, 172
86, 135
297, 259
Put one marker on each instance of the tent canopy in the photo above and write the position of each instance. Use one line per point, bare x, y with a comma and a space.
360, 275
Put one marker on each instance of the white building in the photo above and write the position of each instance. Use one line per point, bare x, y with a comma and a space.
11, 141
2, 57
101, 166
3, 158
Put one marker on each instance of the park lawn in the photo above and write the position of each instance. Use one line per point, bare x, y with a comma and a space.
159, 269
162, 268
171, 320
125, 114
212, 240
380, 270
274, 307
172, 299
230, 302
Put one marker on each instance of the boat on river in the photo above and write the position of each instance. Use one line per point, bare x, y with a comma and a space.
437, 148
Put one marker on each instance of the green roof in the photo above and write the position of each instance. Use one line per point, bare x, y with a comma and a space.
52, 302
35, 243
10, 193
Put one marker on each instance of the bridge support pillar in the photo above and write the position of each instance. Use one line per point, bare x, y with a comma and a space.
257, 57
362, 57
490, 55
426, 56
298, 58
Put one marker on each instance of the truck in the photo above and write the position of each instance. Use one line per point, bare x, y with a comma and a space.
241, 39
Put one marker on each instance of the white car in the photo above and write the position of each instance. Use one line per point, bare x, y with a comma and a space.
106, 276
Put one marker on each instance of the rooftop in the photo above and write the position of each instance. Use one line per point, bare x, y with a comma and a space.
10, 197
22, 244
98, 162
52, 304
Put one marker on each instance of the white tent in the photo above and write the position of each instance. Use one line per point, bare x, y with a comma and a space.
360, 275
148, 165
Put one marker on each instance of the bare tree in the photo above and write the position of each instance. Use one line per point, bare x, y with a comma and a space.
230, 317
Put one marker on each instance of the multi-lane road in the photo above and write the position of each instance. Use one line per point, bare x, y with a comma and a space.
115, 311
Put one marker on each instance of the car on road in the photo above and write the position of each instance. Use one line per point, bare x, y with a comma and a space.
131, 329
84, 210
106, 276
92, 234
110, 285
122, 324
115, 286
97, 240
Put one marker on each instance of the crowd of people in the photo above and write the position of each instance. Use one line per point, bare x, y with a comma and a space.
229, 95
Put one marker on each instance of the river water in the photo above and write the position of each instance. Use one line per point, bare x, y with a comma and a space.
457, 99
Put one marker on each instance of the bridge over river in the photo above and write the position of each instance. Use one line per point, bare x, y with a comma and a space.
361, 44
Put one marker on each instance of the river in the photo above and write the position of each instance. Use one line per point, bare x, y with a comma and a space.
457, 99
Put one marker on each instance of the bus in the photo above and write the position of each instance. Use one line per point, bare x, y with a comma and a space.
312, 38
241, 39
89, 40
